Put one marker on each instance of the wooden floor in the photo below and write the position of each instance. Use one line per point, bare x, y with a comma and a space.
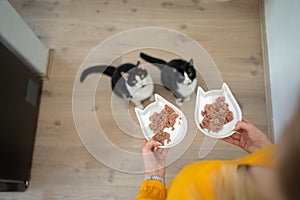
62, 167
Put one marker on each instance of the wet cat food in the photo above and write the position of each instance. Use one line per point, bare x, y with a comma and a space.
161, 137
216, 115
165, 119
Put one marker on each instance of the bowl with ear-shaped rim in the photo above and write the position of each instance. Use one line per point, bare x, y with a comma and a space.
209, 97
180, 126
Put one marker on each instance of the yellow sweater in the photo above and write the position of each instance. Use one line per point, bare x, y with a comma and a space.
196, 179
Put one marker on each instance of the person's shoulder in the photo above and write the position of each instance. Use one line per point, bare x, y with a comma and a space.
196, 178
205, 166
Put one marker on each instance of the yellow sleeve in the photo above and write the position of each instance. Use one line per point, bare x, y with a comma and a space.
152, 190
265, 157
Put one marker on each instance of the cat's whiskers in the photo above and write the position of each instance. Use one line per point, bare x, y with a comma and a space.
187, 80
140, 82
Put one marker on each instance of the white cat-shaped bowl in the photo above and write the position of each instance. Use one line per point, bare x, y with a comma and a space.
209, 97
158, 105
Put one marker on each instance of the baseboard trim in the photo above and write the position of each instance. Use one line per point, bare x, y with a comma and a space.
265, 59
47, 75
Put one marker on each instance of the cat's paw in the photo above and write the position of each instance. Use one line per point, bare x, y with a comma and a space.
137, 103
187, 98
179, 102
152, 98
140, 106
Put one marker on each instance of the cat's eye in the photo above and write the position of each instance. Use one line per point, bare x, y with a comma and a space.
142, 76
134, 81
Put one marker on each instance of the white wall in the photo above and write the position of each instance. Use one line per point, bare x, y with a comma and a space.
19, 38
283, 39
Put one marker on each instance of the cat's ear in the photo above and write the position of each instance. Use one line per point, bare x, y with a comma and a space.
191, 62
125, 75
138, 64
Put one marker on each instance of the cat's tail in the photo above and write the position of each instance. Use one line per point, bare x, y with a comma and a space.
107, 70
156, 61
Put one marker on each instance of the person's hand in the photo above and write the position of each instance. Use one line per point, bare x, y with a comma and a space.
249, 138
154, 158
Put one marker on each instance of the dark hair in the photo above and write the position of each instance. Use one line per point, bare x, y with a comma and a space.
289, 159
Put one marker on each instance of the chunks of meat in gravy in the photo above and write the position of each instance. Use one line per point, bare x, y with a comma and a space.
165, 119
161, 137
216, 115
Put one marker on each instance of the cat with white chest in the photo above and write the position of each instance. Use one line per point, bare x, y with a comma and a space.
128, 81
178, 76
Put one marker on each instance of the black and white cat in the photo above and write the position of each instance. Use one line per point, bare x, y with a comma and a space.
178, 76
128, 81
